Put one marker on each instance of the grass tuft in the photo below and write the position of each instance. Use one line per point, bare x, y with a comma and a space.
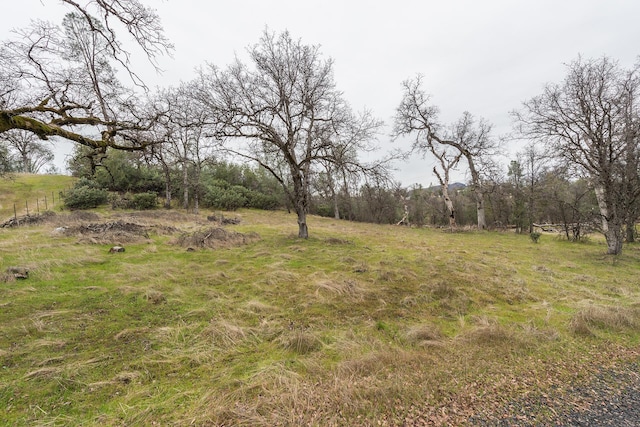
487, 331
588, 320
155, 297
424, 334
300, 342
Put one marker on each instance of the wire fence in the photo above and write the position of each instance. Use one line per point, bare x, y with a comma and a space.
24, 212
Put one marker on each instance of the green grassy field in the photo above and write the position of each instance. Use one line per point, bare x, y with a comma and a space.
359, 325
31, 192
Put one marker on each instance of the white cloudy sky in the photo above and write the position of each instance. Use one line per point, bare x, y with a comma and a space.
482, 56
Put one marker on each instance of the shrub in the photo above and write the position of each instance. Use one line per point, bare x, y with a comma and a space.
85, 197
535, 236
228, 198
219, 194
139, 201
89, 183
144, 201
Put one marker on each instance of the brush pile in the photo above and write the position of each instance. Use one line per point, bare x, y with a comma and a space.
215, 238
117, 232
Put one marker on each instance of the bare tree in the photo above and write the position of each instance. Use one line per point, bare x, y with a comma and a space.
591, 121
32, 153
348, 137
284, 113
472, 139
43, 93
534, 164
448, 161
183, 127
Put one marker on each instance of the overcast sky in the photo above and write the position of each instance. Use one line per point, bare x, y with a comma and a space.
485, 57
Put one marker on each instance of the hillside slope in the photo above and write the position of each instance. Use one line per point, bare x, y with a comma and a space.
32, 192
202, 324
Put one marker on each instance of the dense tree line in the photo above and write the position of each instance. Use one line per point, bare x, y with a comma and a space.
275, 131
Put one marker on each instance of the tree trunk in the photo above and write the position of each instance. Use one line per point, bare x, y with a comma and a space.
482, 222
196, 190
26, 167
300, 200
185, 184
167, 187
167, 195
349, 204
303, 230
448, 202
477, 190
611, 226
631, 230
613, 235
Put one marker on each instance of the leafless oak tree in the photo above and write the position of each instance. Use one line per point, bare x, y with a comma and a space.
447, 161
592, 121
183, 128
285, 113
53, 82
471, 138
32, 154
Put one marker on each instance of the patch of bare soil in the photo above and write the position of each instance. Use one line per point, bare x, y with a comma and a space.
215, 238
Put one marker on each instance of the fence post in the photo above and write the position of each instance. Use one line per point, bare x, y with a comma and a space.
38, 206
15, 213
27, 205
46, 207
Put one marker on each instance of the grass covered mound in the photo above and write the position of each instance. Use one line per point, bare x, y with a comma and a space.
358, 325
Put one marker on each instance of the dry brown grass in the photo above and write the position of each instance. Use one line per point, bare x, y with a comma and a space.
424, 334
487, 331
591, 318
300, 341
226, 333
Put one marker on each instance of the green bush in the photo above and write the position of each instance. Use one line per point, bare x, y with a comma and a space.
144, 201
262, 201
85, 197
138, 201
89, 183
224, 198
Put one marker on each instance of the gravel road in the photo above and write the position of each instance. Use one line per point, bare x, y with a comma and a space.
611, 398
